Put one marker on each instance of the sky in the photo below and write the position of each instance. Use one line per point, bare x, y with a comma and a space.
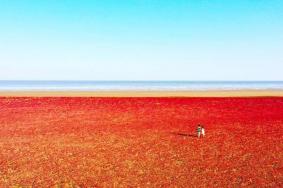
141, 40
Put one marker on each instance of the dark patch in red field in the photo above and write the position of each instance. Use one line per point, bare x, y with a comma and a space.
141, 141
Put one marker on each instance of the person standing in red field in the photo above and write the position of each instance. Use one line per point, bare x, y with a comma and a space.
199, 129
202, 131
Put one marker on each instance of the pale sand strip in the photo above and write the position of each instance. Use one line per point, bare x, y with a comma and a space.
218, 93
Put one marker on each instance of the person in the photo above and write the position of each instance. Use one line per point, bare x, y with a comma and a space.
199, 129
202, 131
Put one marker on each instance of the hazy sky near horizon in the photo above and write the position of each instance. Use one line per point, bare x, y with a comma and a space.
141, 40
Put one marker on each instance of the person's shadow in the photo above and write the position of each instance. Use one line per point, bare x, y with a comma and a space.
183, 134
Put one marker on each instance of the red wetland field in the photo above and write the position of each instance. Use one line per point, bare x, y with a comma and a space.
140, 142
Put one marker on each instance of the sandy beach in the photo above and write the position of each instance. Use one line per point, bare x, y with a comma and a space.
122, 93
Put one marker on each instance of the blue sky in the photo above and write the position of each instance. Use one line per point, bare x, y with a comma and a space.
141, 40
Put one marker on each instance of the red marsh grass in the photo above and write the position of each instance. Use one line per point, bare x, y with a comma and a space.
146, 142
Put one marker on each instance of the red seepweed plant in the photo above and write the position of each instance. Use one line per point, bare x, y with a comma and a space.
147, 142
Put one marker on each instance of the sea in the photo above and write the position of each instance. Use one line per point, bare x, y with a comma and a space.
138, 85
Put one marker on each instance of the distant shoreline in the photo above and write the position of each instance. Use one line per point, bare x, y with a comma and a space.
138, 93
140, 86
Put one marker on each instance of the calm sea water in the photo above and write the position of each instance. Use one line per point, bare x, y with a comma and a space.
138, 85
